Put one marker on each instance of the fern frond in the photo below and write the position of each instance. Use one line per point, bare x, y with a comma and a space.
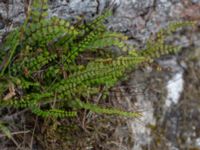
172, 27
95, 40
97, 109
108, 39
89, 33
38, 10
106, 72
27, 101
157, 50
80, 47
156, 47
47, 30
96, 24
57, 113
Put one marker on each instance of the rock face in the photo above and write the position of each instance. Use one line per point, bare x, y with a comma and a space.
169, 100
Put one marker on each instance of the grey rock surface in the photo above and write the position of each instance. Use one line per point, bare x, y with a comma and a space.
139, 19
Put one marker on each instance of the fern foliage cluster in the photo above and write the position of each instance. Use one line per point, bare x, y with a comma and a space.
40, 65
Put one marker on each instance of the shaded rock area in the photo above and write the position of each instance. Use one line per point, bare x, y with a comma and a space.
169, 99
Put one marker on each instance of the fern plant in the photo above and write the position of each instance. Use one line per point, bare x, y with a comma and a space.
42, 65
